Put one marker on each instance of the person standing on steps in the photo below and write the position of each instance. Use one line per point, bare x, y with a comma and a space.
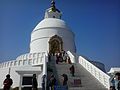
49, 57
68, 60
57, 58
72, 70
65, 79
64, 57
52, 82
34, 82
7, 82
43, 82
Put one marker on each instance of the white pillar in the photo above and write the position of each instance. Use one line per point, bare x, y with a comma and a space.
9, 70
44, 66
20, 83
45, 69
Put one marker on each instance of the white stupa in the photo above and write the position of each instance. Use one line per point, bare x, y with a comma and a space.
52, 32
51, 35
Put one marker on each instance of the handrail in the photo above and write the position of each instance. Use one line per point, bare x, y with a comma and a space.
101, 76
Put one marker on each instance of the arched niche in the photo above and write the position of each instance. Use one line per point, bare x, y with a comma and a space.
55, 44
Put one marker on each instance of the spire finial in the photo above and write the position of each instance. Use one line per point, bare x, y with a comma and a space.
53, 12
53, 1
53, 5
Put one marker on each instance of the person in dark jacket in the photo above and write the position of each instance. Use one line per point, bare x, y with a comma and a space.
72, 70
118, 85
112, 88
65, 79
43, 82
52, 82
7, 82
117, 80
34, 82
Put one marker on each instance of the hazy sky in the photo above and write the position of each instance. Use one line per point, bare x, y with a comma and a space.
96, 24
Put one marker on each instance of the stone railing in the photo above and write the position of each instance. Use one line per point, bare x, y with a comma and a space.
25, 59
7, 64
102, 77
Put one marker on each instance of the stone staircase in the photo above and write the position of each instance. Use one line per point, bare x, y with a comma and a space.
88, 82
63, 68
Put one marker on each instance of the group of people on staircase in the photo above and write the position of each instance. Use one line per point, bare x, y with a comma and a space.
60, 57
53, 83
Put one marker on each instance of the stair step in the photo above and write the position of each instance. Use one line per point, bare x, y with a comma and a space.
88, 82
83, 88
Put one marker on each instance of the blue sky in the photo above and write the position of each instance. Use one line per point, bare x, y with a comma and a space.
96, 24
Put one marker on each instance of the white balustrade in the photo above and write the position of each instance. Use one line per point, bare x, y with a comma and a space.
25, 59
96, 72
101, 76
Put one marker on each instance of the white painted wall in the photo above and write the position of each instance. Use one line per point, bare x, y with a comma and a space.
40, 39
15, 76
49, 14
3, 73
27, 64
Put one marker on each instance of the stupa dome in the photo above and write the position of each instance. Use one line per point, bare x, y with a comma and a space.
50, 23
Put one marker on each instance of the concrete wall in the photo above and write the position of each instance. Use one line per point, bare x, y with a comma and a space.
24, 65
16, 77
13, 74
40, 39
3, 72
